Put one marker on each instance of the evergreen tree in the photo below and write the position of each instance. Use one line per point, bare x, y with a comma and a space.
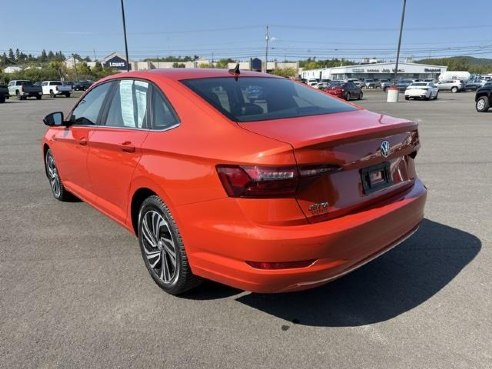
44, 57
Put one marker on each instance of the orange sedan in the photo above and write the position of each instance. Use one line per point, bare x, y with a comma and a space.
244, 178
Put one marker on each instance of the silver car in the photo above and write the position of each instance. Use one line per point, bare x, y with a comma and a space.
453, 86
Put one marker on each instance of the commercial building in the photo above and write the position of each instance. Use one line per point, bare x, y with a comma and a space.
376, 71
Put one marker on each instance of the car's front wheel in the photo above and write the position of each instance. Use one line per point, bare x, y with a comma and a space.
482, 104
162, 248
57, 188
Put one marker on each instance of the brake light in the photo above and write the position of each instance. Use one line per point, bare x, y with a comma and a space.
264, 182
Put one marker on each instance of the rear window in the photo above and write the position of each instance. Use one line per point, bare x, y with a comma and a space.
248, 99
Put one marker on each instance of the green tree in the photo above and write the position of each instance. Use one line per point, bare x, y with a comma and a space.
223, 63
11, 55
285, 72
44, 57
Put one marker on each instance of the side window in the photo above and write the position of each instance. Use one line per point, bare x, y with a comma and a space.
128, 106
88, 109
163, 115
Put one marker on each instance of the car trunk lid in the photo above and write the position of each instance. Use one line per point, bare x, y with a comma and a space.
352, 142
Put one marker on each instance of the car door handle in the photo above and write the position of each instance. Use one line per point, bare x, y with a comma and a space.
83, 141
127, 146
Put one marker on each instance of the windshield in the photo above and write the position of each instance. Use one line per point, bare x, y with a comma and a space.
248, 99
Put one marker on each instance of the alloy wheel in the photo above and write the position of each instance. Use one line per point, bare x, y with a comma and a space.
53, 176
159, 246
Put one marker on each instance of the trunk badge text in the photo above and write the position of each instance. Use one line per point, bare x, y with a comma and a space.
319, 208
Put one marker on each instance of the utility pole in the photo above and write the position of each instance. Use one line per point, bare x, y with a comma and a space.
267, 37
399, 41
124, 34
75, 67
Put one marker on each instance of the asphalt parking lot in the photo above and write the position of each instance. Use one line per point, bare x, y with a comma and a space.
74, 292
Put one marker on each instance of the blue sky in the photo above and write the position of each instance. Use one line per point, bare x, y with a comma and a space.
352, 29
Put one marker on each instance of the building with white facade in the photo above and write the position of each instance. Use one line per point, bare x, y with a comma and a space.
376, 71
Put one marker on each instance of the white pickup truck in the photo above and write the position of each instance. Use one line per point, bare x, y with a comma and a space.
54, 88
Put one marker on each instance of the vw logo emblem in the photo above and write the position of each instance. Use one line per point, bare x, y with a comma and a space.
385, 148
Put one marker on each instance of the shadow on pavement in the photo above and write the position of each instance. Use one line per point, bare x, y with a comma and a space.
385, 288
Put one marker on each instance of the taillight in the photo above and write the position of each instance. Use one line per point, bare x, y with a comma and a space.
264, 182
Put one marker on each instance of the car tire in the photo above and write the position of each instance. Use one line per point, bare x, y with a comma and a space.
67, 94
57, 188
482, 105
454, 89
2, 99
407, 97
163, 249
347, 96
39, 97
52, 94
361, 95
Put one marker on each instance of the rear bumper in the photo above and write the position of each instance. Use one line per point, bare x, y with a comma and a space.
219, 250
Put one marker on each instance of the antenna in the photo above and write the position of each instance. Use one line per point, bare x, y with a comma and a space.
235, 71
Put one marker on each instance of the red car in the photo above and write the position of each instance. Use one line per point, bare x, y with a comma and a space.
344, 90
281, 190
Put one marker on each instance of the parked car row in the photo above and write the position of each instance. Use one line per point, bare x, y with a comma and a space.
23, 89
347, 90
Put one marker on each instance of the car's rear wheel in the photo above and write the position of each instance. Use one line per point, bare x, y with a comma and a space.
162, 248
52, 94
482, 104
361, 95
347, 96
57, 188
2, 99
39, 97
407, 97
454, 89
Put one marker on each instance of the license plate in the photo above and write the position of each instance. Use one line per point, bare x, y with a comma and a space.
375, 178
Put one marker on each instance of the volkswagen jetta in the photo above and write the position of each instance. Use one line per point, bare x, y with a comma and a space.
281, 190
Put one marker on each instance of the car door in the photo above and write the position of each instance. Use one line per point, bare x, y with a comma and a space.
115, 148
70, 144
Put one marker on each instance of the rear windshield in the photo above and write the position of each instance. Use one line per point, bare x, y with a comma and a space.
248, 99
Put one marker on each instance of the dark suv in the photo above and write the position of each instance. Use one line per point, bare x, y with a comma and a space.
81, 85
483, 98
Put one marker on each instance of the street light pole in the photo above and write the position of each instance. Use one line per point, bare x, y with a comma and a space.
267, 37
399, 40
124, 33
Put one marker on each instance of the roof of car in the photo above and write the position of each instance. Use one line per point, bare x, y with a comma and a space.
188, 73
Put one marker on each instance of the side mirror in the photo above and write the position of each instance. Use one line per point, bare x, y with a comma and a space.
54, 119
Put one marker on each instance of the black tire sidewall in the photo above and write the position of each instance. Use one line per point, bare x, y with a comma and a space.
183, 280
63, 195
